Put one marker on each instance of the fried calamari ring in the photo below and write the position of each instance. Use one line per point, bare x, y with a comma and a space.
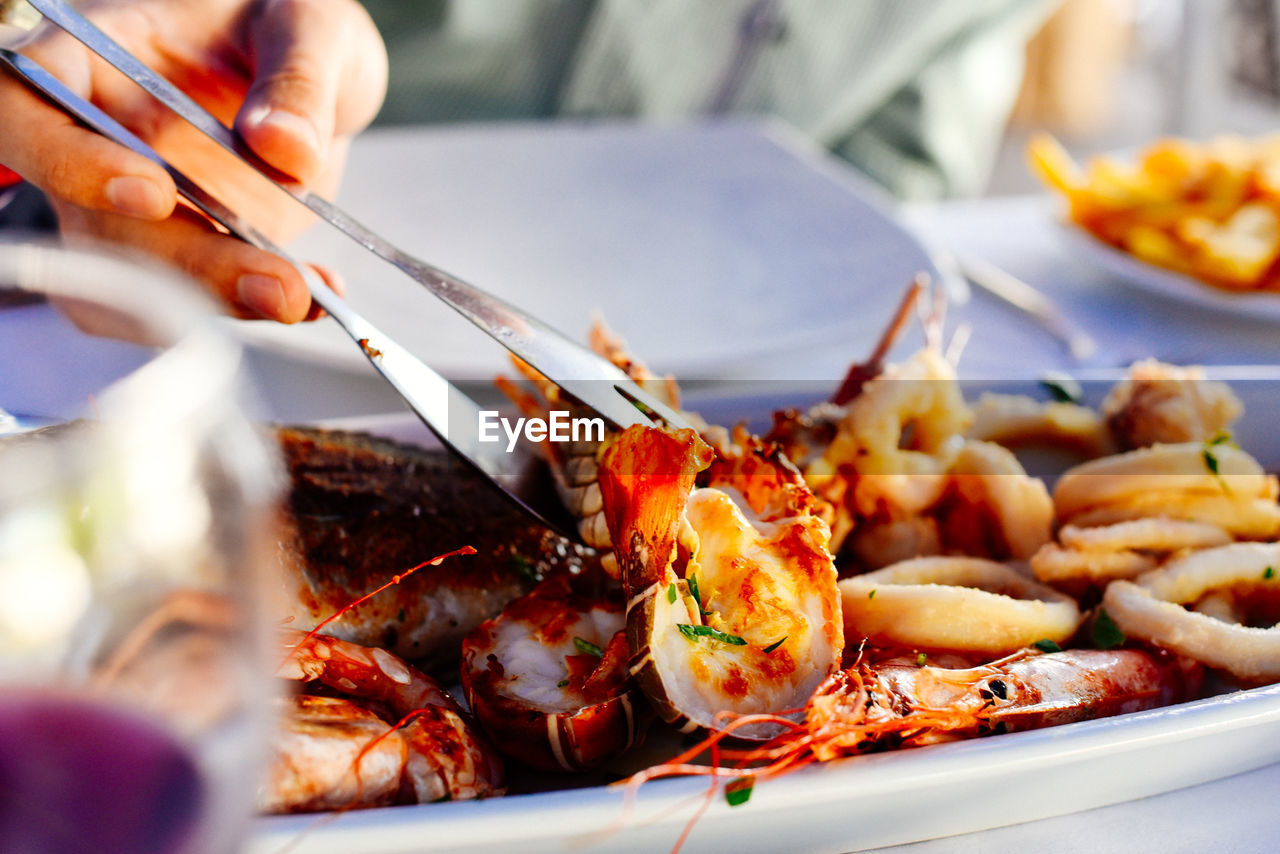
1054, 564
1162, 469
1015, 419
1246, 519
1152, 533
1153, 609
955, 603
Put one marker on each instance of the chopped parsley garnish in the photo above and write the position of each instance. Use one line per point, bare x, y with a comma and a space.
697, 595
1268, 573
771, 647
1209, 452
1062, 388
921, 658
563, 683
738, 791
588, 647
1105, 633
1046, 645
400, 616
694, 632
871, 594
671, 592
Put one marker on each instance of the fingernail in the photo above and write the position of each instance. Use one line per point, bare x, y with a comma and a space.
290, 124
262, 294
135, 196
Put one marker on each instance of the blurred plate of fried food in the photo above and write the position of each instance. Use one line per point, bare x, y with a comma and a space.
1198, 222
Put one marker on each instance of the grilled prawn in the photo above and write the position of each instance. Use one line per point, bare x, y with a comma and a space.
548, 679
369, 730
865, 708
873, 707
732, 605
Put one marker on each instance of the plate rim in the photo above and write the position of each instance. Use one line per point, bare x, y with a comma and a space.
1170, 284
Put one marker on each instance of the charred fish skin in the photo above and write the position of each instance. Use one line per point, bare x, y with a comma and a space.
362, 509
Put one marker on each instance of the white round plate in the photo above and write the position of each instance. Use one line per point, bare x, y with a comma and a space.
1167, 283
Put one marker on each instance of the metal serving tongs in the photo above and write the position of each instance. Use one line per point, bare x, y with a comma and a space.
586, 377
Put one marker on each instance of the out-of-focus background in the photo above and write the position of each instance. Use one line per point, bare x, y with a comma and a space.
931, 98
1116, 74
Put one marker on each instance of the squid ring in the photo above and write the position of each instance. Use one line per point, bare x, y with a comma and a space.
955, 603
1162, 469
1152, 609
1054, 564
1152, 533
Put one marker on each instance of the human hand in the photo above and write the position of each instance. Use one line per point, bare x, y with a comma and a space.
297, 78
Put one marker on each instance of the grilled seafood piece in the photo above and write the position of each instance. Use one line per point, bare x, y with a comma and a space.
364, 509
575, 465
1124, 514
1219, 606
732, 604
900, 478
370, 730
864, 708
1165, 404
955, 604
548, 679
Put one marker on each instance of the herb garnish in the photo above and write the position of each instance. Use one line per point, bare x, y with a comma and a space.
671, 592
871, 594
694, 632
1062, 388
771, 647
588, 647
563, 683
400, 616
1222, 437
921, 658
697, 595
738, 791
1046, 645
1105, 633
1268, 573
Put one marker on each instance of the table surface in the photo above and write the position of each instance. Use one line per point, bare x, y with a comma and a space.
61, 369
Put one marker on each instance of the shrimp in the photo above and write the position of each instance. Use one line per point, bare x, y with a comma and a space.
390, 735
874, 707
864, 708
548, 680
731, 591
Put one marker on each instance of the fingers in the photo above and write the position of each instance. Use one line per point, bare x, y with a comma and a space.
319, 72
251, 282
335, 283
50, 150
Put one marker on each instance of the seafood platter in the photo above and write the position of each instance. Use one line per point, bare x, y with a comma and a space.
902, 608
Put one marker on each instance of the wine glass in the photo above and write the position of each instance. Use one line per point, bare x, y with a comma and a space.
134, 684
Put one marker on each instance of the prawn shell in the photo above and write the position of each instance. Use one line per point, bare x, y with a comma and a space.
559, 742
778, 611
645, 480
566, 741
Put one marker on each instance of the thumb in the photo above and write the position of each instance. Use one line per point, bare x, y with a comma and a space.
288, 113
